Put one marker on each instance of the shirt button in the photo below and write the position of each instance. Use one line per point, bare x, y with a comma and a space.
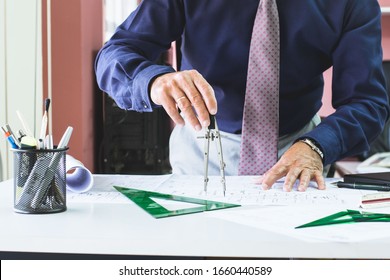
144, 104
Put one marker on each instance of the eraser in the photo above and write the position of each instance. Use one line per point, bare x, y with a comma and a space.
28, 142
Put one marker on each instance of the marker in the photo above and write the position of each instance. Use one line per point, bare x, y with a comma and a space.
49, 141
13, 135
10, 139
358, 186
21, 134
42, 134
65, 138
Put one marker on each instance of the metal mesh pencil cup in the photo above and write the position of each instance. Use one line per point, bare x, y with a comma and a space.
39, 181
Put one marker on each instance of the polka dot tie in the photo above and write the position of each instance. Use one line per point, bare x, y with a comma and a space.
261, 110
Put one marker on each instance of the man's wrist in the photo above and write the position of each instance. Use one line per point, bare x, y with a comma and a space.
314, 146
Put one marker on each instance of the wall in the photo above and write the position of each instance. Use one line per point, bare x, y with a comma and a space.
385, 4
3, 111
33, 68
20, 70
115, 12
76, 36
327, 105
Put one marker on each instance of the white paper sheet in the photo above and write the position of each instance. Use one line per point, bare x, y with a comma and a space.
284, 219
239, 190
272, 210
242, 190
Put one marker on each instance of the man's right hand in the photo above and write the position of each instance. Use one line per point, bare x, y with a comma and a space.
187, 91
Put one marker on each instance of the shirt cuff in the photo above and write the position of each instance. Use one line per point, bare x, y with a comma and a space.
327, 141
141, 86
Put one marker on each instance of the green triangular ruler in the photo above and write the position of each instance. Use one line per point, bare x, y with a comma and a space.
144, 199
337, 218
348, 216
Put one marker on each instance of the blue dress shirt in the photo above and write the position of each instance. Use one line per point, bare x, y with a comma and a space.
215, 34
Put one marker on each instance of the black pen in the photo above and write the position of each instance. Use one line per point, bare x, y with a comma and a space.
359, 186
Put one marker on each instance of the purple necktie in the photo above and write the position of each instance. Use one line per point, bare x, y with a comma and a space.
261, 110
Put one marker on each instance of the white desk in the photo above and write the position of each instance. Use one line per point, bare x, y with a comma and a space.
125, 229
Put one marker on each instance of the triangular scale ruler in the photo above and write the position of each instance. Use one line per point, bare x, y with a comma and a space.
144, 199
348, 216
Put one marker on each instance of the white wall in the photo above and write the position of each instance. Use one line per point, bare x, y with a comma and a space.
115, 12
2, 86
20, 70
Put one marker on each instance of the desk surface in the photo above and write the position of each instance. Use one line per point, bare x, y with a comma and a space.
125, 229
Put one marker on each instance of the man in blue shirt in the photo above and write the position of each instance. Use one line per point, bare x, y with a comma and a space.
314, 36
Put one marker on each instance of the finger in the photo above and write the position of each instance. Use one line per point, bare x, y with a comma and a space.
207, 93
166, 98
187, 110
164, 91
190, 99
291, 178
258, 180
319, 178
200, 109
271, 176
197, 91
304, 180
171, 108
178, 99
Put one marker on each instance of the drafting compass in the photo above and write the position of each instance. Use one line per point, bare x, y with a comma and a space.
212, 133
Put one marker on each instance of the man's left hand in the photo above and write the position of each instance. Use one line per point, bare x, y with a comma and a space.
299, 162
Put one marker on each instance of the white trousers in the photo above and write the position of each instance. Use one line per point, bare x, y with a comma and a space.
186, 150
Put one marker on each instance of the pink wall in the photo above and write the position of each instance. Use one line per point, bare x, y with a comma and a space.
385, 30
386, 36
77, 34
384, 3
327, 106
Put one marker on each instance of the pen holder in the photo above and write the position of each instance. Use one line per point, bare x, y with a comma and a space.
39, 181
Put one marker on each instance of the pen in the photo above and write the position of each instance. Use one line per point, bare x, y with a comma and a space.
24, 124
359, 186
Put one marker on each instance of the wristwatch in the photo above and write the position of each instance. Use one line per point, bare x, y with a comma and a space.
313, 146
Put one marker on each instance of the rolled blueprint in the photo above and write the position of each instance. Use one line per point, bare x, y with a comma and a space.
78, 178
